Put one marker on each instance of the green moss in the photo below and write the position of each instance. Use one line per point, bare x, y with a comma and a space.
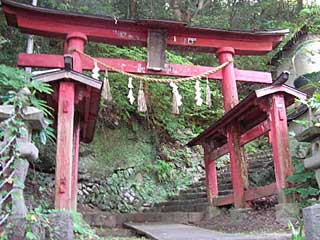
120, 148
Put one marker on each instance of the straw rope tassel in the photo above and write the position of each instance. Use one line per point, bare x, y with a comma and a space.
106, 91
198, 98
176, 98
95, 71
208, 95
130, 94
142, 105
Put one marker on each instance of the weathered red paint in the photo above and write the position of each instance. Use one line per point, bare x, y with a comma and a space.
75, 28
211, 172
250, 194
280, 143
76, 40
64, 146
74, 181
68, 134
230, 99
250, 110
253, 133
238, 181
229, 84
139, 67
223, 200
53, 23
259, 192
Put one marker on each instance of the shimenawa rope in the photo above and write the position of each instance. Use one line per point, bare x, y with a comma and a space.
156, 80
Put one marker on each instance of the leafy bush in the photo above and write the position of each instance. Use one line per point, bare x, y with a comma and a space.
305, 184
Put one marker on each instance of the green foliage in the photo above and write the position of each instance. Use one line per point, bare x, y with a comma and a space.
111, 155
15, 90
12, 80
305, 184
311, 14
164, 171
81, 229
297, 233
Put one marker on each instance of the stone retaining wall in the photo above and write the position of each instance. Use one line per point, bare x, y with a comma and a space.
118, 193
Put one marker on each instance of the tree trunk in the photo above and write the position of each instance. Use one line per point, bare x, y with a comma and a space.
133, 6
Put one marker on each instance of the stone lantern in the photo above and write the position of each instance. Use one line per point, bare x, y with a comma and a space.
311, 214
34, 120
312, 135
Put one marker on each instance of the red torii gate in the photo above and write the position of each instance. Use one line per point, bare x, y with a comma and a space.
76, 29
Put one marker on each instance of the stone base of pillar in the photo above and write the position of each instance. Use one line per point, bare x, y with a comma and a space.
238, 215
62, 225
311, 216
211, 212
286, 212
17, 230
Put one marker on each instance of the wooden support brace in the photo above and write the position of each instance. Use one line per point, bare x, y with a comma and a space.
76, 143
237, 156
246, 137
238, 167
249, 194
64, 157
211, 172
280, 145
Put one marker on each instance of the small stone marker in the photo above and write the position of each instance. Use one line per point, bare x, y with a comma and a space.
311, 217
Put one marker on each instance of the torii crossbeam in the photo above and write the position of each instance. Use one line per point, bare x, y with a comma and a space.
76, 29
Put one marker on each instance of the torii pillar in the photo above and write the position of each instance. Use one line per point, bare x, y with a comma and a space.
68, 130
237, 155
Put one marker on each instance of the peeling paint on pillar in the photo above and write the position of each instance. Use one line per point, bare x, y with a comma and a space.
237, 154
211, 172
67, 133
280, 145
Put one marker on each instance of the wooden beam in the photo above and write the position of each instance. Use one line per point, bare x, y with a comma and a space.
137, 36
255, 132
245, 138
223, 200
140, 67
57, 24
250, 194
219, 152
259, 192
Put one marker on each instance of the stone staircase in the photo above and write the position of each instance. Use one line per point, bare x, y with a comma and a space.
189, 206
194, 199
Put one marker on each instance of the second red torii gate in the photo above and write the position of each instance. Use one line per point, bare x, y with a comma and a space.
76, 29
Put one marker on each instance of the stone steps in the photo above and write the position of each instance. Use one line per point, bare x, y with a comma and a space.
181, 202
183, 207
195, 197
110, 220
186, 196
